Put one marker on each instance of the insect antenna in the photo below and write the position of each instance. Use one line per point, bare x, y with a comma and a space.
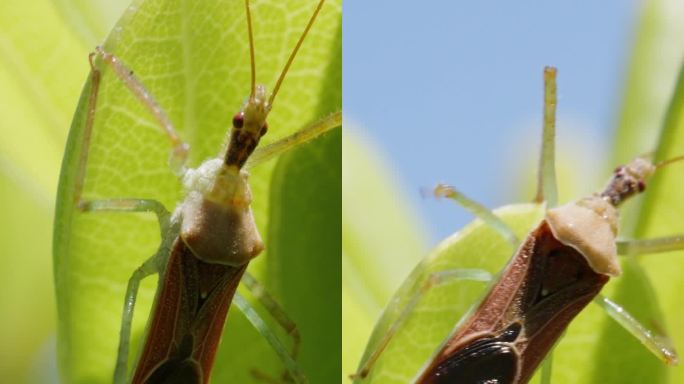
252, 91
293, 54
669, 161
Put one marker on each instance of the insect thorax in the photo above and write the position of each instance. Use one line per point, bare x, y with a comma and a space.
217, 221
590, 226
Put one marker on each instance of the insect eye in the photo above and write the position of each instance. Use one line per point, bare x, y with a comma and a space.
618, 169
238, 120
641, 186
264, 129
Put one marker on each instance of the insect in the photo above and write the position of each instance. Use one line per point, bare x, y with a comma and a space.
558, 269
207, 242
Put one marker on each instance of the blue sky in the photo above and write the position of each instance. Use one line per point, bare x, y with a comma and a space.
451, 91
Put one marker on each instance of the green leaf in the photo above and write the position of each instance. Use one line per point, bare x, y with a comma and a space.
193, 57
374, 262
42, 62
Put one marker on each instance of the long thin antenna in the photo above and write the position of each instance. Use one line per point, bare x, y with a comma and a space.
669, 161
251, 50
294, 52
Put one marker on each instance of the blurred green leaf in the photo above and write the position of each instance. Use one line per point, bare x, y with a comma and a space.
200, 76
374, 262
652, 291
42, 60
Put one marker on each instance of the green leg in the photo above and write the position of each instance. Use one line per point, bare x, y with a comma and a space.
479, 210
546, 367
179, 151
277, 312
657, 245
302, 136
153, 265
656, 344
546, 176
292, 367
434, 280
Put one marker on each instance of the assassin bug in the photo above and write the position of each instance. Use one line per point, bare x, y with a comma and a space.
560, 267
207, 242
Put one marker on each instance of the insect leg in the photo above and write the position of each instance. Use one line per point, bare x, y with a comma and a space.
657, 245
293, 368
546, 177
302, 136
179, 149
151, 266
435, 279
478, 210
546, 368
129, 205
658, 345
275, 309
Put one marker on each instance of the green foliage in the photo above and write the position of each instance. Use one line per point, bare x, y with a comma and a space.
42, 62
193, 57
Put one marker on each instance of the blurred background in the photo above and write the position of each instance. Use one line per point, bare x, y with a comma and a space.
451, 92
44, 46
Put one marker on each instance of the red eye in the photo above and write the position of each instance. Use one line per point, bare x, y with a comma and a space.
238, 120
264, 129
641, 186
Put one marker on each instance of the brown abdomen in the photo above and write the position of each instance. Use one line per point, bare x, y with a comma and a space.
187, 320
542, 289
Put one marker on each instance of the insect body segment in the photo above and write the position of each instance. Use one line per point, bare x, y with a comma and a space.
590, 225
218, 224
628, 180
248, 127
488, 358
543, 288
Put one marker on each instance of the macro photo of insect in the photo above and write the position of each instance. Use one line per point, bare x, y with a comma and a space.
181, 203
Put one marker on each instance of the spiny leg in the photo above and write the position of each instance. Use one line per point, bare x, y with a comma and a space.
257, 322
129, 205
277, 312
656, 344
95, 78
262, 154
546, 177
179, 151
155, 263
479, 210
149, 267
646, 246
435, 279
